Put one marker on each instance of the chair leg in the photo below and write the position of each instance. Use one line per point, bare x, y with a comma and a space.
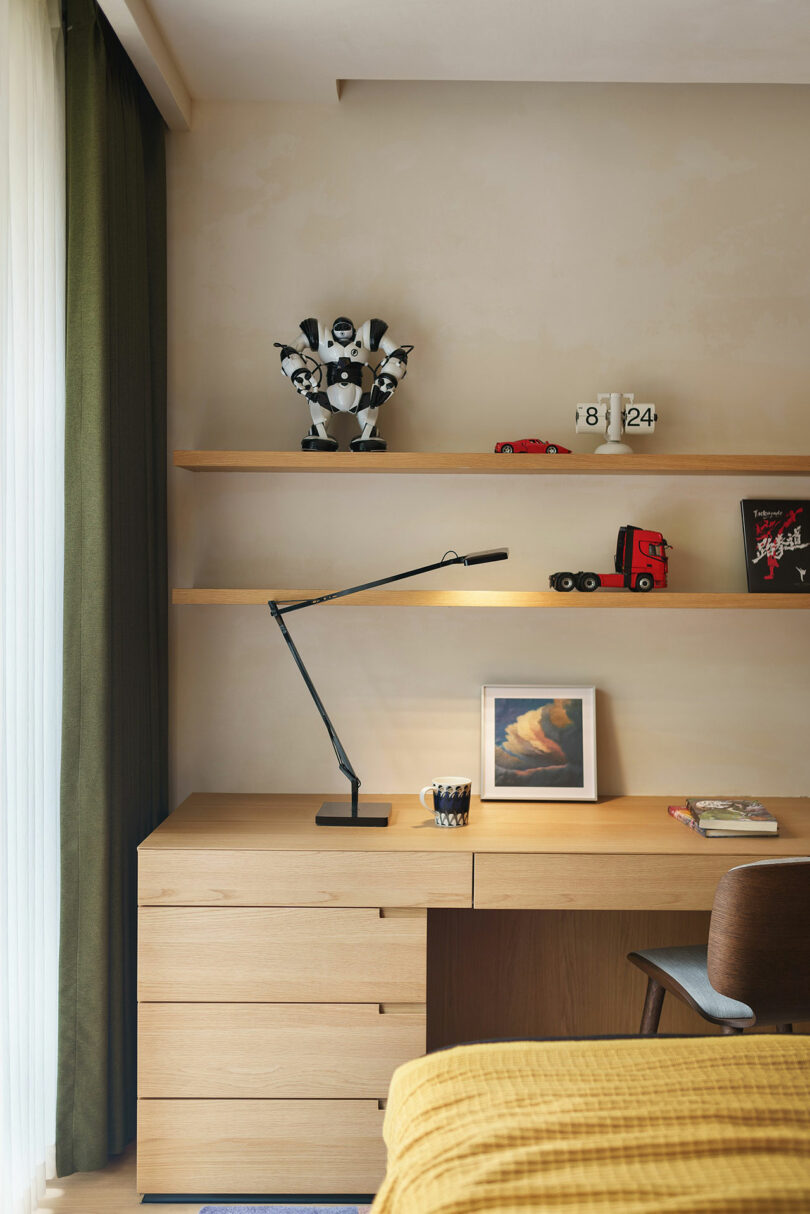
653, 1002
784, 1028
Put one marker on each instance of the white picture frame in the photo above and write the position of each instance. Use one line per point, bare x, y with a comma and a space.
543, 752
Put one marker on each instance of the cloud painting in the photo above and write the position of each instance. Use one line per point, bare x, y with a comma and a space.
538, 743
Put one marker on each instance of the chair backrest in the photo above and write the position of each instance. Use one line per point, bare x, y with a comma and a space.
759, 938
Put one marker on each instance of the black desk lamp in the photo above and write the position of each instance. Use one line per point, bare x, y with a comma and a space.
351, 813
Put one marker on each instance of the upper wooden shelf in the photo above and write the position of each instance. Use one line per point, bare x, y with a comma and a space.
457, 463
242, 596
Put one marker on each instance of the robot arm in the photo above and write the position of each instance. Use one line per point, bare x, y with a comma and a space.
390, 372
305, 377
298, 367
394, 365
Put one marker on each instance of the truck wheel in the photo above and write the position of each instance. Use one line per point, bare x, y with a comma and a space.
507, 449
588, 582
551, 449
564, 582
644, 582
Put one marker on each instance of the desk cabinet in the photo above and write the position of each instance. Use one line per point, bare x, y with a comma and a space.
278, 992
283, 968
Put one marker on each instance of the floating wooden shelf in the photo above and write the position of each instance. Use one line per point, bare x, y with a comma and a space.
240, 596
484, 463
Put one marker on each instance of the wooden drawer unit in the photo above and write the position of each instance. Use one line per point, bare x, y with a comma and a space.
550, 881
212, 877
260, 1146
276, 998
243, 1050
271, 955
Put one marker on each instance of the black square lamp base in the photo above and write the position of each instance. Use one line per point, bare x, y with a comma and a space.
339, 813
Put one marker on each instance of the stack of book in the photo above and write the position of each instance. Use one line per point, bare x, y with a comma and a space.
725, 817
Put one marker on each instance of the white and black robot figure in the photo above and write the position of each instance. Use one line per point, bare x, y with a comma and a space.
344, 354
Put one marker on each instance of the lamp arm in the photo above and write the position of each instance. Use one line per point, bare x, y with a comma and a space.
344, 762
277, 611
383, 581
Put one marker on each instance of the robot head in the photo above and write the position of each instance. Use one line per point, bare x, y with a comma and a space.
343, 331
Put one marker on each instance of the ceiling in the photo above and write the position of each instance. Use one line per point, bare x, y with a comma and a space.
298, 49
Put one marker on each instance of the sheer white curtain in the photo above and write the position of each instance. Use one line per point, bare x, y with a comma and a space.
32, 255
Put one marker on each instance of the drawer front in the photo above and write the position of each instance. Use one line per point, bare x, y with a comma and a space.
597, 882
260, 1146
269, 955
319, 1051
265, 878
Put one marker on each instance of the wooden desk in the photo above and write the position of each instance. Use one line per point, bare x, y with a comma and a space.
286, 969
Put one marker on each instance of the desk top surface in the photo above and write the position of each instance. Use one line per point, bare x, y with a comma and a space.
611, 826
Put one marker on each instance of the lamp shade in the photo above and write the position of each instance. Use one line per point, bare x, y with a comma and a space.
485, 558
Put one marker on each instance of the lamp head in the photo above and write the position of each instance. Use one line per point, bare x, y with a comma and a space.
485, 558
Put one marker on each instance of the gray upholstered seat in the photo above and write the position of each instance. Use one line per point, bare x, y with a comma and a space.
686, 966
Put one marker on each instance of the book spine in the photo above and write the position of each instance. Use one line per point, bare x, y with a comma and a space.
681, 814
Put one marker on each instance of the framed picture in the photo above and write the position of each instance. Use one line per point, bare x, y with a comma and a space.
538, 743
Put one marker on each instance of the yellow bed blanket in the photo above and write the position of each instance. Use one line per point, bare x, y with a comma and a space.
648, 1126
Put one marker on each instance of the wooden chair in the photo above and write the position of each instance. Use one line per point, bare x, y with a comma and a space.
756, 967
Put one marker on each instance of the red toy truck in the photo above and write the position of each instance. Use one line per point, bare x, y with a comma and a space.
641, 564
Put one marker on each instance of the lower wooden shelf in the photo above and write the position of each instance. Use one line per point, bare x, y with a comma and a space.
661, 599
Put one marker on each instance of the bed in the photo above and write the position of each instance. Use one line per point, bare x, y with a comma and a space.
626, 1126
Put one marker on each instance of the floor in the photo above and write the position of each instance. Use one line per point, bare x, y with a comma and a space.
110, 1191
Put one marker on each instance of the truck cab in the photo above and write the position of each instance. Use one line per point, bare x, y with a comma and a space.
640, 555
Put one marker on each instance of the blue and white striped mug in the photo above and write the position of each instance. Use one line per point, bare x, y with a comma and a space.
451, 800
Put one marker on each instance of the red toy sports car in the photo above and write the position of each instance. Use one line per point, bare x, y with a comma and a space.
534, 445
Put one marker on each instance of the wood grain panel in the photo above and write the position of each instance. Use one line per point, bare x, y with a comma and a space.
222, 1050
225, 596
478, 462
613, 825
547, 882
260, 1146
521, 973
306, 878
264, 955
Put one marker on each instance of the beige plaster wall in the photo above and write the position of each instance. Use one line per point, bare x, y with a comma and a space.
537, 244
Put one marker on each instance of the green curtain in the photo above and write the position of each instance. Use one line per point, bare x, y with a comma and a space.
114, 734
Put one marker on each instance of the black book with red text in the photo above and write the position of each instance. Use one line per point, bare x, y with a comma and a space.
777, 545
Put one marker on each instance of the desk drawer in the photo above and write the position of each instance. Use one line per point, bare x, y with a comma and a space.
549, 881
289, 878
260, 1146
319, 1051
264, 955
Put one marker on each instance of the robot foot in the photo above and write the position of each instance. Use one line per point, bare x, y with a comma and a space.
371, 442
315, 441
